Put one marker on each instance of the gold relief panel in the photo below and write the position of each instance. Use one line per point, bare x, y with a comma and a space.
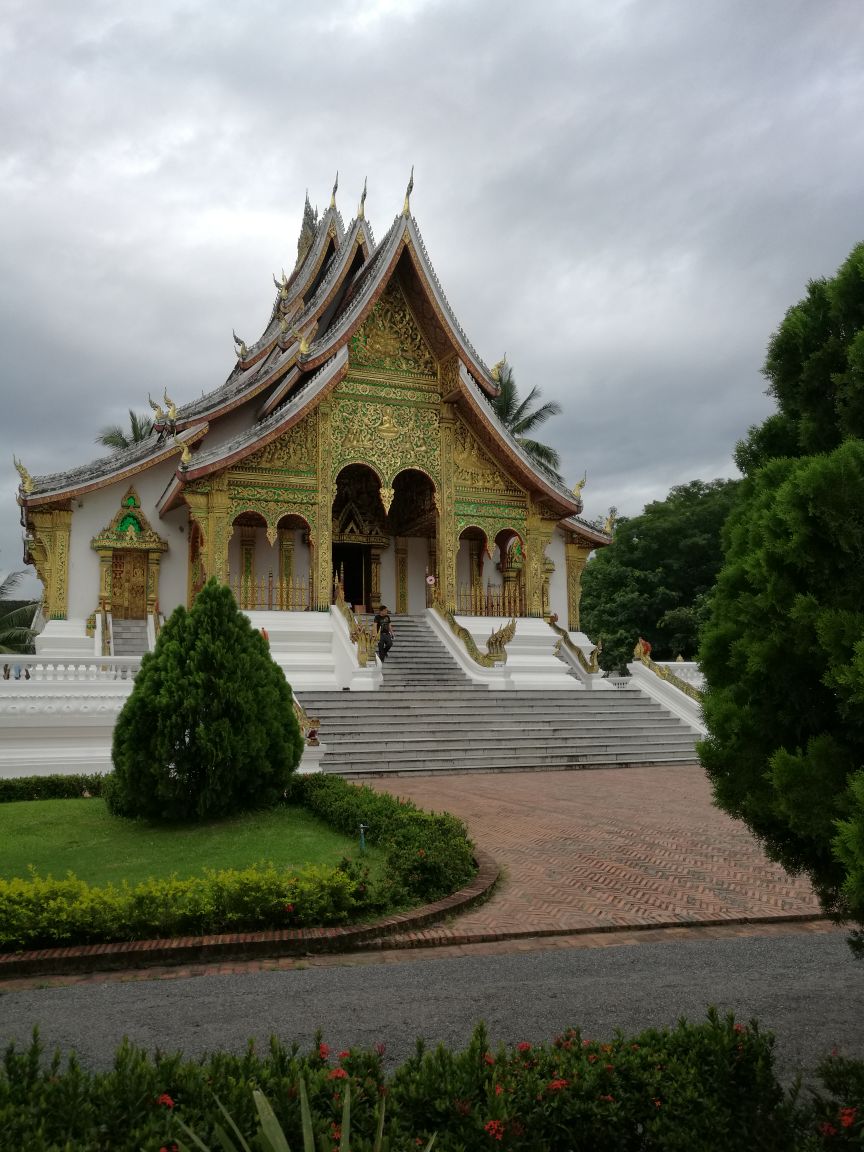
473, 468
296, 450
391, 338
386, 437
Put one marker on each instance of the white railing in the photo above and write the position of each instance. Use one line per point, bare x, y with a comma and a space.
24, 670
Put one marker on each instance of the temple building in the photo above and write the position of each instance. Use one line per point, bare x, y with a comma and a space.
353, 446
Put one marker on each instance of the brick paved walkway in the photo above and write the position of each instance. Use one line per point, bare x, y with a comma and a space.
582, 851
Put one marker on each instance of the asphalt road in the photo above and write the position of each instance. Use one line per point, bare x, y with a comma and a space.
808, 989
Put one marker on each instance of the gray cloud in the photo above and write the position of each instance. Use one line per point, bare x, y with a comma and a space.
623, 197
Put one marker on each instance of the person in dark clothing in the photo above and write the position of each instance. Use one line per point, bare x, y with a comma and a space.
384, 625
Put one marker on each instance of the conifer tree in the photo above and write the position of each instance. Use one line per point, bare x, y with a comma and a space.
209, 729
783, 651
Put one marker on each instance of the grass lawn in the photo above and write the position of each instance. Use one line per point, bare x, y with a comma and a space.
80, 836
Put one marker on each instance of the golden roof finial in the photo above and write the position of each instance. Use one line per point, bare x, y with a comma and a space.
26, 478
335, 190
361, 211
241, 349
185, 455
496, 369
406, 207
158, 411
580, 484
172, 407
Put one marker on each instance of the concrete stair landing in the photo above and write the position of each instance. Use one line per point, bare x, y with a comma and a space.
129, 637
429, 717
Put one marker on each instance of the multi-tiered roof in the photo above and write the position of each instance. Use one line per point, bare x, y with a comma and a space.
303, 353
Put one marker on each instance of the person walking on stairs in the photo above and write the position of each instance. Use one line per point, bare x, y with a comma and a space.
384, 625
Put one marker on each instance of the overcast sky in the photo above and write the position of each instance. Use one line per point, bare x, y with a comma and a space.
625, 197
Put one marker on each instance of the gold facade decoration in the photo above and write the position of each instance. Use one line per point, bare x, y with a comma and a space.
356, 438
47, 545
26, 478
590, 665
577, 549
496, 650
387, 498
293, 451
129, 554
391, 338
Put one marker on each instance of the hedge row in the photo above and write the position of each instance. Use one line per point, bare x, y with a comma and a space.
428, 854
42, 912
708, 1087
49, 788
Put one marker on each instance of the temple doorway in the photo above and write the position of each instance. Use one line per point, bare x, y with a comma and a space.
352, 566
129, 585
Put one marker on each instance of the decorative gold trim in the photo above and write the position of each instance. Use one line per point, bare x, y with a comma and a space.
640, 652
496, 652
362, 637
591, 666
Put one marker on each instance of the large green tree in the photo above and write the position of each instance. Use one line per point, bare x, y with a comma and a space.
783, 650
654, 579
116, 437
209, 729
520, 417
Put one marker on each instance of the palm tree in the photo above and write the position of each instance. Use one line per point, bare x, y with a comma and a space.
16, 633
113, 436
518, 419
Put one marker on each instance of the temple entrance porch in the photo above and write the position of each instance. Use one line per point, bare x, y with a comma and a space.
266, 574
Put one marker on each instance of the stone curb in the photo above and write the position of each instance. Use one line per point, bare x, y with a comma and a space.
249, 945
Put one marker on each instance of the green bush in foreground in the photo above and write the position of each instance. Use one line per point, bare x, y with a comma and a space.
428, 854
44, 912
18, 788
707, 1087
209, 729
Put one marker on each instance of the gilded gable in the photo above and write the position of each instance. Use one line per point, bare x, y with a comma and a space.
391, 339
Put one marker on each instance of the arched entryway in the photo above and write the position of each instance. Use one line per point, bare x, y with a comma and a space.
359, 536
267, 570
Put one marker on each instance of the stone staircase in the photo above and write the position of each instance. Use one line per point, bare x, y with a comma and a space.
429, 717
129, 637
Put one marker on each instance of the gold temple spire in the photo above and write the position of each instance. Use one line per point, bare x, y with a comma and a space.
26, 478
335, 190
361, 211
406, 207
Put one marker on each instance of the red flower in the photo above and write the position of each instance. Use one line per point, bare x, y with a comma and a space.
172, 1147
338, 1074
607, 1099
523, 1046
495, 1128
656, 1102
847, 1117
827, 1129
609, 1067
165, 1100
380, 1049
489, 1058
499, 1088
592, 1057
556, 1085
289, 908
344, 1055
323, 1051
740, 1028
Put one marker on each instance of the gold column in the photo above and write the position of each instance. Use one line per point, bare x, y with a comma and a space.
153, 561
326, 483
401, 575
446, 534
576, 551
220, 529
105, 572
247, 567
376, 578
286, 569
538, 535
49, 550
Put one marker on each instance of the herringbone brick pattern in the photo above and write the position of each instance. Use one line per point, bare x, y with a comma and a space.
608, 848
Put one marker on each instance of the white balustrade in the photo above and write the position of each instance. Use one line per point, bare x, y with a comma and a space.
20, 671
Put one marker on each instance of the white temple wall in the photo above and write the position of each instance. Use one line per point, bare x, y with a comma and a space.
232, 424
388, 576
94, 511
558, 580
174, 567
418, 563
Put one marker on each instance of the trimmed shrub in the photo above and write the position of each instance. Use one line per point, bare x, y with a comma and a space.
428, 854
209, 729
44, 912
707, 1087
19, 788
